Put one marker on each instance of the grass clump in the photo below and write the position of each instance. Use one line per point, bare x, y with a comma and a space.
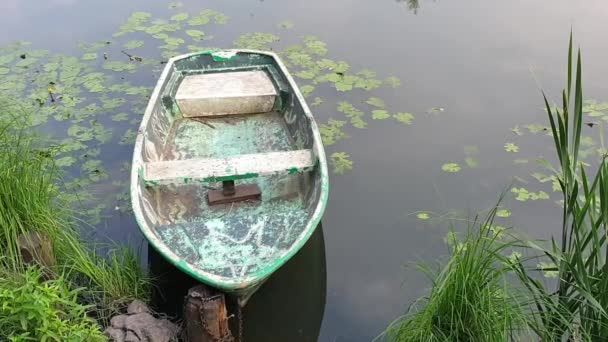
470, 299
43, 311
31, 201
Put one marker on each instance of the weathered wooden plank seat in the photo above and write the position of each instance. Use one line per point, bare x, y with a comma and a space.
227, 169
239, 92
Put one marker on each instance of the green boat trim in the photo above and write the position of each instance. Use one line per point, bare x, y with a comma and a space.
167, 84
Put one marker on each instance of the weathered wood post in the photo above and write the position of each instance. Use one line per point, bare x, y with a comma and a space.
206, 316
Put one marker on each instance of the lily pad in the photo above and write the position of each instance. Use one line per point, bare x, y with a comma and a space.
423, 216
332, 132
317, 101
380, 114
354, 114
180, 17
195, 34
120, 117
503, 213
256, 40
89, 56
340, 162
133, 44
511, 147
376, 102
451, 167
404, 118
392, 81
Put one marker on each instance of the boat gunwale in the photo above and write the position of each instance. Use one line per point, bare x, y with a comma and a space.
227, 283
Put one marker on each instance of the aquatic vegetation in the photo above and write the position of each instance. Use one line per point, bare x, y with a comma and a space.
332, 132
576, 309
341, 162
32, 310
511, 147
423, 216
451, 167
404, 118
522, 194
33, 201
469, 299
503, 213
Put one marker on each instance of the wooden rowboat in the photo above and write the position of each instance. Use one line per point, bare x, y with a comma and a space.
229, 176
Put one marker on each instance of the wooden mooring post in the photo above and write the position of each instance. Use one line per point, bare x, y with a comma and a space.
206, 316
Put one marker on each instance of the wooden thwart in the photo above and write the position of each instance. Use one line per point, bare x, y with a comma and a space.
231, 168
242, 92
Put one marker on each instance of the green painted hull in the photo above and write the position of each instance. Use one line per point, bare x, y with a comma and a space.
234, 247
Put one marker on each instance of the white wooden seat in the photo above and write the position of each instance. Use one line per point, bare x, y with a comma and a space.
239, 92
230, 168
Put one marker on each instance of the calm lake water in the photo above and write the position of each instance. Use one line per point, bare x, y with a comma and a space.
470, 71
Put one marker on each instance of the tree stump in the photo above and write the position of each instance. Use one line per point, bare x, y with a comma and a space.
36, 248
206, 316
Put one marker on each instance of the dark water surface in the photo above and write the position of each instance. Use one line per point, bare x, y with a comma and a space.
475, 59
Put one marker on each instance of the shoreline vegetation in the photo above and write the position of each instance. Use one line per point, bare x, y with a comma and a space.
66, 293
483, 294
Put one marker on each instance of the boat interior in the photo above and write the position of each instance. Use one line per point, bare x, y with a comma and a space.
222, 123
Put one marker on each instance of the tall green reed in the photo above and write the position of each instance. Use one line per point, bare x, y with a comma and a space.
576, 309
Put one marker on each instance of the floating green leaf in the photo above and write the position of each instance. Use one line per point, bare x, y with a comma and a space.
128, 138
119, 66
376, 102
517, 131
307, 90
331, 132
66, 161
317, 101
451, 167
180, 17
175, 4
306, 74
133, 44
195, 34
256, 40
536, 128
340, 162
392, 81
89, 56
315, 46
354, 114
511, 147
6, 59
341, 86
423, 216
404, 118
120, 117
380, 114
503, 213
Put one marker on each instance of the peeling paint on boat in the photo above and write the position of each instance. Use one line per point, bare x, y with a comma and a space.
235, 246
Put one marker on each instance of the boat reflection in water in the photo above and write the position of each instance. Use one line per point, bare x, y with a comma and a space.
287, 307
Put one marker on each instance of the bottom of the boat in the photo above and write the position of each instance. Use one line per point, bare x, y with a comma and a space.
234, 242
